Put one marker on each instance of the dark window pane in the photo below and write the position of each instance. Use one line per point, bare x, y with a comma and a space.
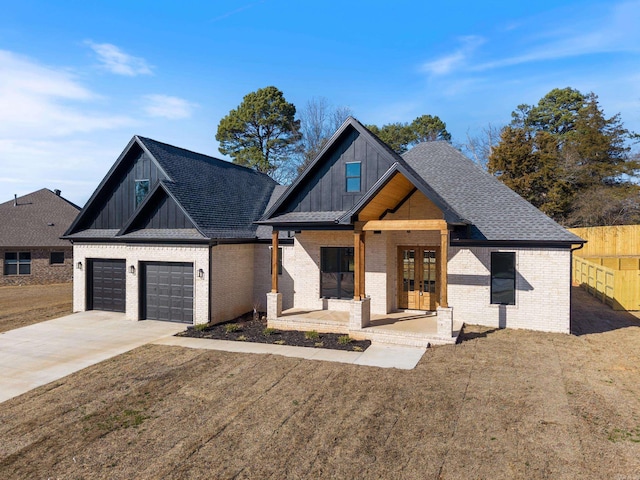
346, 285
56, 258
503, 278
330, 259
24, 269
336, 278
142, 188
329, 285
10, 256
10, 269
25, 256
353, 176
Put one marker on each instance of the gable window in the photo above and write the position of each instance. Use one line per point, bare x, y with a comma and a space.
503, 278
141, 190
279, 260
336, 272
352, 170
17, 263
56, 258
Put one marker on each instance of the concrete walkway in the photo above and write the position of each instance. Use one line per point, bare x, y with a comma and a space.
385, 356
43, 352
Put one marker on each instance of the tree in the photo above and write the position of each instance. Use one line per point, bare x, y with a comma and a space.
402, 136
262, 133
480, 147
318, 122
564, 150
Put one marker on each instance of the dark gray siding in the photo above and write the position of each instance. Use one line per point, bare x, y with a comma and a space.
325, 189
116, 205
163, 212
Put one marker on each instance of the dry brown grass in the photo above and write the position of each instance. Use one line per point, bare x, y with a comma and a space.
25, 305
503, 404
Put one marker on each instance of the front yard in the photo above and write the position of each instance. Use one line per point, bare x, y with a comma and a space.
25, 305
502, 404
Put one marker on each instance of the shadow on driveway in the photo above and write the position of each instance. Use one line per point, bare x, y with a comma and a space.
589, 315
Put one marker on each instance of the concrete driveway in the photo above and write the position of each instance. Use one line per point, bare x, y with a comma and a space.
41, 353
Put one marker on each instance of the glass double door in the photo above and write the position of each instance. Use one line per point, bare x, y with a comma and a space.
418, 278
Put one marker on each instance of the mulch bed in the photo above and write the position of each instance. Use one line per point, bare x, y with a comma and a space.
246, 329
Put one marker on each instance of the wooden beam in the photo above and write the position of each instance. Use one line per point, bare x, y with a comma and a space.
404, 225
444, 249
362, 269
274, 261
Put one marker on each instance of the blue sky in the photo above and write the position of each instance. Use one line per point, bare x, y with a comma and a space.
79, 79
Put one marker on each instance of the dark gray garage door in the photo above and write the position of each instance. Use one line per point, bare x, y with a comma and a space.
106, 285
168, 291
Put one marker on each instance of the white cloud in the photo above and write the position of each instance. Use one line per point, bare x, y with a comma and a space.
455, 60
116, 61
166, 106
39, 101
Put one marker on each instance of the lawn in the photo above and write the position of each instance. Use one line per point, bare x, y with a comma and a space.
25, 305
501, 404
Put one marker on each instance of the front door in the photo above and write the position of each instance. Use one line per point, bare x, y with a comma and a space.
418, 272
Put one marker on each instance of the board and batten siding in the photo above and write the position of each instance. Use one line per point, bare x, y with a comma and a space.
165, 213
325, 189
118, 202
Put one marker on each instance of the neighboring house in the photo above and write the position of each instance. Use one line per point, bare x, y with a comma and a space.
30, 245
361, 234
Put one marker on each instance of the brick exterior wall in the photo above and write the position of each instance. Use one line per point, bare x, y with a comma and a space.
134, 254
542, 289
542, 280
232, 281
42, 272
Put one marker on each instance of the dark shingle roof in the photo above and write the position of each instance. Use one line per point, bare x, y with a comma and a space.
223, 199
494, 211
38, 220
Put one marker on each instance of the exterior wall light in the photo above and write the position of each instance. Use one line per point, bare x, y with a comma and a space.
200, 273
79, 265
132, 270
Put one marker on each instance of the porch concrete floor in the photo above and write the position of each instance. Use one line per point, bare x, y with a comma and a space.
411, 323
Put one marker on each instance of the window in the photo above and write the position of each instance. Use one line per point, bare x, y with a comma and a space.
336, 272
503, 278
17, 263
353, 176
56, 258
142, 188
279, 261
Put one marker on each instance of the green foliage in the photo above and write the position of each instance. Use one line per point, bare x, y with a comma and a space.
231, 327
402, 136
262, 133
312, 335
269, 331
279, 342
242, 338
344, 340
562, 152
201, 326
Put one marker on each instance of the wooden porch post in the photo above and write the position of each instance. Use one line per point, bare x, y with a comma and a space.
358, 256
274, 261
444, 248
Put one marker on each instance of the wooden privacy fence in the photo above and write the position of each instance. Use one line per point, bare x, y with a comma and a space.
613, 280
607, 241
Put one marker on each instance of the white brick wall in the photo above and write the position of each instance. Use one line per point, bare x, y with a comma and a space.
542, 284
134, 254
542, 289
262, 280
232, 285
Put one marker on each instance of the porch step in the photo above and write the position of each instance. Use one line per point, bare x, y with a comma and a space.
301, 323
394, 337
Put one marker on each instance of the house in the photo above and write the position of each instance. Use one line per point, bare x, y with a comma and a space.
30, 245
169, 234
428, 231
394, 248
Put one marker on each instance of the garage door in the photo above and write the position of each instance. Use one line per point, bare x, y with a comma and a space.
168, 291
106, 285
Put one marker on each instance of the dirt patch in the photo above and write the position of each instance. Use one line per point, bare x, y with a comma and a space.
248, 328
25, 305
501, 404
